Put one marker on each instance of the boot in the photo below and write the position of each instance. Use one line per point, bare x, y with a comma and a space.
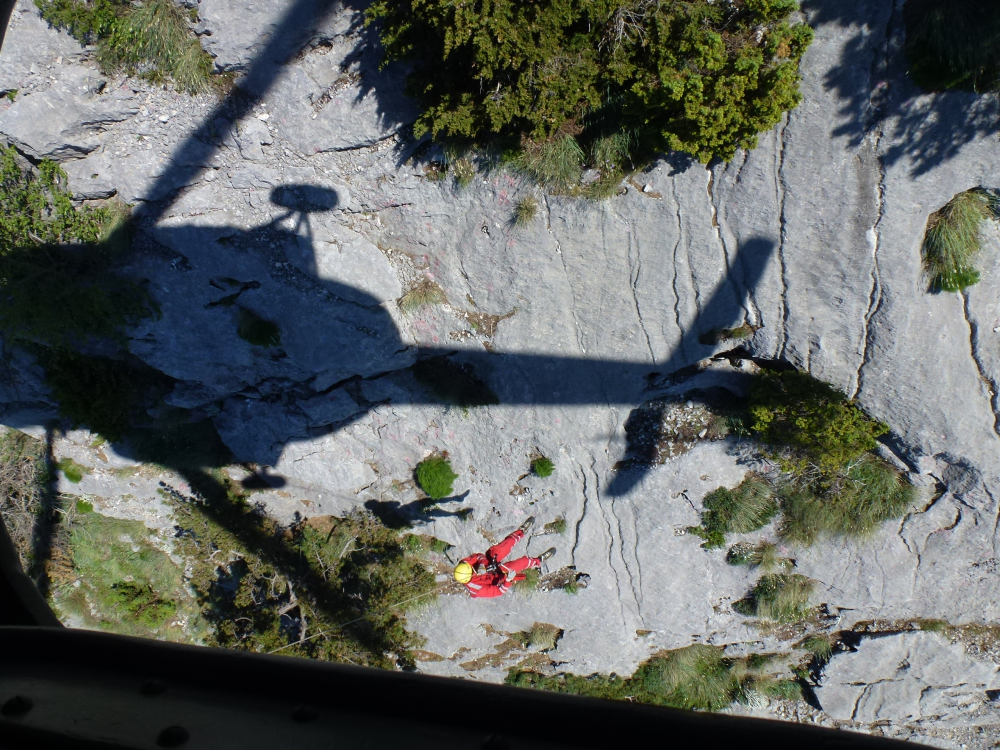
547, 554
528, 523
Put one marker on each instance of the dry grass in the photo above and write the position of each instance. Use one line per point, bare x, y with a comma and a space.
782, 598
953, 240
525, 211
23, 476
422, 294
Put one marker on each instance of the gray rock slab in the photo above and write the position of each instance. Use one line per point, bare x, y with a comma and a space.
65, 121
31, 49
906, 677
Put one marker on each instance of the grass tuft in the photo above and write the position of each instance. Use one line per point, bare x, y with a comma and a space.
556, 164
779, 598
747, 507
435, 477
423, 294
763, 555
465, 172
541, 636
820, 646
525, 211
556, 527
73, 471
953, 240
530, 582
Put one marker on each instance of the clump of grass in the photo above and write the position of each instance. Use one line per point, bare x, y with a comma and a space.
454, 382
953, 44
763, 555
778, 597
530, 581
464, 171
150, 38
721, 335
525, 211
542, 467
418, 543
73, 471
571, 587
934, 626
12, 94
953, 240
257, 331
435, 477
853, 503
541, 636
556, 164
820, 646
83, 506
748, 507
556, 527
422, 294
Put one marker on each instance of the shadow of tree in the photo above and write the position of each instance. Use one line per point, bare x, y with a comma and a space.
924, 130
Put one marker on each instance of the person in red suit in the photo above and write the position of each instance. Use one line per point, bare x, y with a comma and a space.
488, 575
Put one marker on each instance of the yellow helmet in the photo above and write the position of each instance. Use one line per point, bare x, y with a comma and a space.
463, 572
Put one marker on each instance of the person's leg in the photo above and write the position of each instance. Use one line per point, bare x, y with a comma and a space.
499, 551
522, 563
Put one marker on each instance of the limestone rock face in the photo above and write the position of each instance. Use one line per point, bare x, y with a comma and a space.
909, 677
312, 209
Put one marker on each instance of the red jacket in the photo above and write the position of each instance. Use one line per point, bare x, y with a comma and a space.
493, 582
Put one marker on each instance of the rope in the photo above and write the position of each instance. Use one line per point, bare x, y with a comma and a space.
359, 619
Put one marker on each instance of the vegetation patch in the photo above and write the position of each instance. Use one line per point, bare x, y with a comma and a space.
543, 467
435, 477
763, 555
347, 582
525, 211
56, 282
24, 481
697, 677
556, 527
529, 584
541, 636
778, 597
113, 577
722, 335
453, 382
150, 38
748, 507
953, 239
953, 44
423, 294
257, 331
73, 471
558, 86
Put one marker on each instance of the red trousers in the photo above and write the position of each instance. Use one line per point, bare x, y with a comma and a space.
499, 551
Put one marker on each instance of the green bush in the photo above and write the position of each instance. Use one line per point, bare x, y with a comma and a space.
150, 38
50, 293
818, 424
567, 82
748, 507
778, 597
854, 502
953, 240
543, 467
953, 44
435, 477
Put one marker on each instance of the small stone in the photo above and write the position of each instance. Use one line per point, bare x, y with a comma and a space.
163, 118
647, 188
263, 117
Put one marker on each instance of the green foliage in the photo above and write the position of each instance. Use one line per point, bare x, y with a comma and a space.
12, 94
543, 467
114, 578
150, 38
453, 382
257, 331
464, 171
778, 597
610, 83
748, 507
556, 527
953, 240
530, 581
435, 477
351, 578
697, 677
73, 471
525, 211
953, 44
82, 506
818, 424
934, 626
854, 502
51, 293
